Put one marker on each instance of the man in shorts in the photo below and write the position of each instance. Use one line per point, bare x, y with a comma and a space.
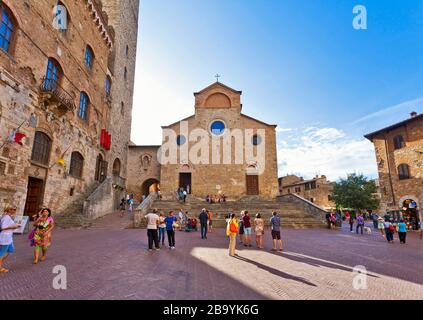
247, 229
275, 221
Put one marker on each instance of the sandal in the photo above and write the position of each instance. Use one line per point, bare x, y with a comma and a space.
43, 259
35, 262
3, 270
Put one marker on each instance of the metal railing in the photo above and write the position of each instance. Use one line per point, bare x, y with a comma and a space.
58, 93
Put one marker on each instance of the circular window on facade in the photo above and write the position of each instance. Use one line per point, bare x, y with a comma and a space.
256, 140
217, 127
180, 140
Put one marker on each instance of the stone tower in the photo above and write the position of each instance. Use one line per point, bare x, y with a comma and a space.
123, 17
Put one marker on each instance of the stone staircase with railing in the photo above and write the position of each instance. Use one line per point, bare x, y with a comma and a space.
294, 212
72, 216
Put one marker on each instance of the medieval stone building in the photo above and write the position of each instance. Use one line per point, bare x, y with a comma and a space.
218, 150
317, 190
66, 84
399, 156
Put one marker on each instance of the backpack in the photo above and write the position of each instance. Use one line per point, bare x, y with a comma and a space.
391, 228
233, 228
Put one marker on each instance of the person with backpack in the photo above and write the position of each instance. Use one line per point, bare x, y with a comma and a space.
351, 222
275, 222
389, 231
204, 218
231, 231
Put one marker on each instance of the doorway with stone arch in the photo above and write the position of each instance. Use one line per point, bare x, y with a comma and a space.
116, 167
149, 186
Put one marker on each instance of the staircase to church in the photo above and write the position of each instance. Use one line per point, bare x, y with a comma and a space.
292, 213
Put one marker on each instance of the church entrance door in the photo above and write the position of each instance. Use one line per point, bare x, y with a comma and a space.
185, 181
252, 185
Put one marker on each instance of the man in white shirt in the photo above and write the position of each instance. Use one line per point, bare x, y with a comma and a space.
152, 223
7, 226
181, 219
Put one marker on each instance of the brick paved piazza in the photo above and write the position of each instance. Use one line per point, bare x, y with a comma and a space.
108, 262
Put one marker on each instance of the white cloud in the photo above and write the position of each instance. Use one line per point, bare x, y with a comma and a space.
327, 151
281, 130
412, 105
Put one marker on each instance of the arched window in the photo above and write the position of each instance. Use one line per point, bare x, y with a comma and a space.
7, 28
116, 167
83, 106
76, 165
127, 51
108, 86
122, 108
125, 73
256, 140
62, 17
403, 172
41, 148
399, 142
53, 75
89, 57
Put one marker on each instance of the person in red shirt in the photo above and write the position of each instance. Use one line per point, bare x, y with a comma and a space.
247, 229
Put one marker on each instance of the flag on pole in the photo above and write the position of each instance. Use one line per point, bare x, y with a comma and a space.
16, 137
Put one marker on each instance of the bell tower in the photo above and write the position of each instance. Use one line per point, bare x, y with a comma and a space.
123, 18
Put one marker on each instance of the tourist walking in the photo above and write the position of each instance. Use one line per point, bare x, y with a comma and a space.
360, 223
246, 221
204, 218
402, 231
171, 222
241, 227
122, 207
381, 225
210, 222
153, 221
130, 205
41, 240
7, 227
328, 216
162, 229
259, 230
389, 231
351, 222
184, 194
231, 231
181, 219
275, 222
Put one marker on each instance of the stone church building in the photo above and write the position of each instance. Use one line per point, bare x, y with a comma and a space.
217, 150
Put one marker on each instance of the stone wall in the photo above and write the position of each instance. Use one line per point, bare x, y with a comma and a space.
393, 190
143, 169
21, 73
123, 16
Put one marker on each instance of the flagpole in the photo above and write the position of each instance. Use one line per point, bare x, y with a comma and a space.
17, 129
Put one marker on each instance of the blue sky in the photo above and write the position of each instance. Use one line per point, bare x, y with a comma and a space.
299, 63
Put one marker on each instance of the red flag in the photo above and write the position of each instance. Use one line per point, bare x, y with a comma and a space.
18, 138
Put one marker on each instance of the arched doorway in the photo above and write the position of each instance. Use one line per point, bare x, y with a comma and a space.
116, 167
149, 186
100, 169
410, 213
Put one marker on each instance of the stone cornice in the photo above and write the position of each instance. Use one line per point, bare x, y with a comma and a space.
100, 18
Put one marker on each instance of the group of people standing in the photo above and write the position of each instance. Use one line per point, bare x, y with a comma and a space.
243, 226
39, 237
158, 225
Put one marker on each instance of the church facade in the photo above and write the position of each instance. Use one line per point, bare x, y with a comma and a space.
218, 150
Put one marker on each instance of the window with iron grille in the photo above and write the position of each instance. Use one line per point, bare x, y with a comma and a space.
76, 165
41, 148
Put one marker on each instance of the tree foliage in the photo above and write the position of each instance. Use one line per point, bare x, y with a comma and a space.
356, 192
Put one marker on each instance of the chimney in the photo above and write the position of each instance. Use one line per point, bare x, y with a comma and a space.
413, 114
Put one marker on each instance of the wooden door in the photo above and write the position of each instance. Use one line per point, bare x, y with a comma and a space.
33, 197
252, 185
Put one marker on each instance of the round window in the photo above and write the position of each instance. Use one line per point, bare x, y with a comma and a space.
217, 128
180, 140
256, 140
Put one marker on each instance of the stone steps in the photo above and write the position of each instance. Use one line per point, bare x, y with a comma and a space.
291, 215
